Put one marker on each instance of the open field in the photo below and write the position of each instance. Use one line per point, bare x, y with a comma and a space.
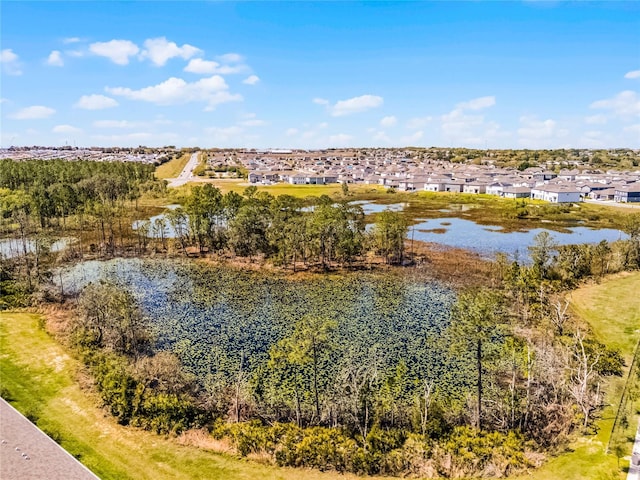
40, 379
301, 191
172, 168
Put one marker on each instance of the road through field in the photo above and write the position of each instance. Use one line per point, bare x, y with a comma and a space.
187, 173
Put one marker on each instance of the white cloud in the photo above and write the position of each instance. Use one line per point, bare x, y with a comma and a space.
320, 101
477, 103
118, 51
595, 119
10, 62
388, 121
633, 74
460, 127
136, 137
536, 129
381, 136
635, 129
55, 59
231, 58
4, 100
159, 51
251, 80
356, 105
66, 129
33, 113
414, 137
115, 124
418, 122
95, 102
224, 134
211, 90
198, 65
291, 132
209, 67
69, 40
534, 133
624, 104
339, 140
254, 123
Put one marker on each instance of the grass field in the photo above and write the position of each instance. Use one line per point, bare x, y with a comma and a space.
172, 168
301, 191
39, 378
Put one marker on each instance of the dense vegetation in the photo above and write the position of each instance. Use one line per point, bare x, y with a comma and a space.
355, 372
365, 374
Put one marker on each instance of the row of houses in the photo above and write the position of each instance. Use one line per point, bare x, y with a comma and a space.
546, 186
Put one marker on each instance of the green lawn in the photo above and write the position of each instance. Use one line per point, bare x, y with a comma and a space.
172, 168
40, 379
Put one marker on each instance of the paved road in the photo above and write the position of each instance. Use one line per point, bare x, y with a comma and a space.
634, 468
187, 173
611, 203
26, 453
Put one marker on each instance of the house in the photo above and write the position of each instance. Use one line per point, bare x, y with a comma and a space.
603, 194
297, 179
627, 193
556, 193
474, 187
262, 177
516, 192
454, 186
436, 184
496, 188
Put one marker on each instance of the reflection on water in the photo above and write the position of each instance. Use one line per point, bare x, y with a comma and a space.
13, 247
492, 239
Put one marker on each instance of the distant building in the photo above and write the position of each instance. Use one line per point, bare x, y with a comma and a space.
556, 193
627, 193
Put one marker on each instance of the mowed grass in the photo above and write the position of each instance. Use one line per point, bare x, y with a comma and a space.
40, 379
612, 311
172, 168
300, 191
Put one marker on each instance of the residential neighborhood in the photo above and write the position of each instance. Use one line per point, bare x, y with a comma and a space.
404, 170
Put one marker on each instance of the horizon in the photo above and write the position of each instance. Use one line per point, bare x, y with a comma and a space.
486, 76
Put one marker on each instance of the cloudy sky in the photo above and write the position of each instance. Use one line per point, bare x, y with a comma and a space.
326, 74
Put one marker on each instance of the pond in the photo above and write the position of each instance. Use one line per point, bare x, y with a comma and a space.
13, 247
489, 240
161, 221
210, 316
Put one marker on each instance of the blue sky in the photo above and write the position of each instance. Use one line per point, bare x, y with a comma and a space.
321, 74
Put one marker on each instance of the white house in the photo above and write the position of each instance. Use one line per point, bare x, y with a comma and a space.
556, 193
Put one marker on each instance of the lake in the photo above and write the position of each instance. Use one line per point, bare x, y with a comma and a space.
489, 240
461, 233
212, 315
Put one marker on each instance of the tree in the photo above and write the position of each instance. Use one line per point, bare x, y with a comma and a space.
542, 252
388, 235
303, 353
476, 319
109, 318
